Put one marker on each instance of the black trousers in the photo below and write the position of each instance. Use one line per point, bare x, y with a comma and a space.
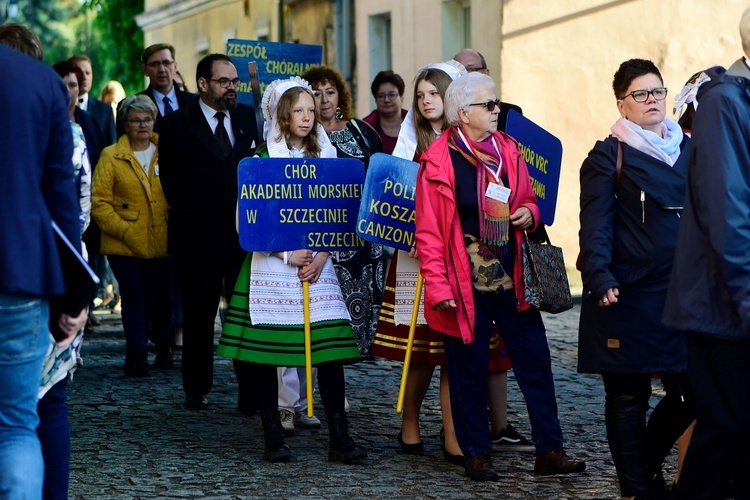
638, 447
719, 452
201, 287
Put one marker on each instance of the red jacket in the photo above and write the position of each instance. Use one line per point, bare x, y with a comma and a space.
443, 260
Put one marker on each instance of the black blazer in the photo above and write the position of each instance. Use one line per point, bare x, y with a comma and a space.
103, 115
200, 185
183, 99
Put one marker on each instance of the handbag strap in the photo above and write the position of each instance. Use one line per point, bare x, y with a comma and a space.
539, 235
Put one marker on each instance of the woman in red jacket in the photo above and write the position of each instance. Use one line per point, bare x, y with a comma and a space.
474, 199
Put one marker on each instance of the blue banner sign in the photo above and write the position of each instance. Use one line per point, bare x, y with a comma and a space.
295, 203
386, 214
275, 61
543, 154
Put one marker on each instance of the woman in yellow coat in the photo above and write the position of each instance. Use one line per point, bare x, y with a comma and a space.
129, 205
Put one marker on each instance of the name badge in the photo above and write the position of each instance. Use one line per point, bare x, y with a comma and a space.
498, 192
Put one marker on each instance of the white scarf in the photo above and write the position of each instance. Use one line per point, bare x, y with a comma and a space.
665, 148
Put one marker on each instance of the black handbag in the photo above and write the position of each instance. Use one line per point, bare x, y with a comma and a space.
545, 281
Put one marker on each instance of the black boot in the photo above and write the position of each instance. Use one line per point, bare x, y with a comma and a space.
276, 449
343, 448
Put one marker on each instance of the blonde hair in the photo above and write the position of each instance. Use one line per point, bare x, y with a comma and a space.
113, 88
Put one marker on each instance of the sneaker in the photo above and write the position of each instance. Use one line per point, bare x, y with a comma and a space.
510, 440
301, 419
287, 421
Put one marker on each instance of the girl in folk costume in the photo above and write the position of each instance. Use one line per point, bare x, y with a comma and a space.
266, 307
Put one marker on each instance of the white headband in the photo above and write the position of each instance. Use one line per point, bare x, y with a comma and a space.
406, 144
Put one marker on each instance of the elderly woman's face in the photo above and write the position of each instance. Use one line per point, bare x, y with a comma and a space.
477, 121
327, 98
650, 113
139, 125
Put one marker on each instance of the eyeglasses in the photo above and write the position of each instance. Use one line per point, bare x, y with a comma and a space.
226, 82
659, 93
472, 70
146, 122
390, 95
155, 64
490, 105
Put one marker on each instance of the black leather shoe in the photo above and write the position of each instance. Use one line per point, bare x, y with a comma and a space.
479, 468
454, 459
409, 448
164, 359
137, 368
196, 401
556, 462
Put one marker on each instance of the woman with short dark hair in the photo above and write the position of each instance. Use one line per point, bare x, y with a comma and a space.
388, 91
632, 192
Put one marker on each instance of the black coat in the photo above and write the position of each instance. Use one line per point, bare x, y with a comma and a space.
183, 99
103, 115
628, 237
200, 185
710, 288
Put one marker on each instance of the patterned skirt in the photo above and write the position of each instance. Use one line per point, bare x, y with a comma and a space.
361, 274
391, 339
280, 345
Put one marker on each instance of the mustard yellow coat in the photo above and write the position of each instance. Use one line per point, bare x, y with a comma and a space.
129, 205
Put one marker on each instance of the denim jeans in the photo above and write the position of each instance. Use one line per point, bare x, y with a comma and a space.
24, 340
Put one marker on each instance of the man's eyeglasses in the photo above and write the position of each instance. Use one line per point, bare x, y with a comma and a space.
659, 93
141, 123
155, 64
490, 105
226, 82
390, 95
479, 68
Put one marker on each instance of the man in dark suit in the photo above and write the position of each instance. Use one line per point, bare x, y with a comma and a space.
200, 146
38, 184
101, 112
160, 66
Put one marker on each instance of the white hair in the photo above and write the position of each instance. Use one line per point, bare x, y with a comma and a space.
462, 92
745, 31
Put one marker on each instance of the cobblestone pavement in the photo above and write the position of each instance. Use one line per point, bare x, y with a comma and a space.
132, 438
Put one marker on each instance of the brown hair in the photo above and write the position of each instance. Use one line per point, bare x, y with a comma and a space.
319, 75
152, 49
283, 115
80, 57
423, 128
19, 37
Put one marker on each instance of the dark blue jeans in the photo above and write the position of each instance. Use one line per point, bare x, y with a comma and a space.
145, 285
54, 434
525, 339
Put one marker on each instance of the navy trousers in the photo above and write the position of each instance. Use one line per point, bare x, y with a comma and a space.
525, 339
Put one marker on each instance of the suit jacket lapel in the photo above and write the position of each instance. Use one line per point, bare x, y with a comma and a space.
202, 129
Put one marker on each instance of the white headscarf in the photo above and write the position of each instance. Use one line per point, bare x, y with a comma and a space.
406, 144
275, 141
689, 94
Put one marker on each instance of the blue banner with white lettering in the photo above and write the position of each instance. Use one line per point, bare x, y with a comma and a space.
543, 154
275, 61
295, 203
386, 214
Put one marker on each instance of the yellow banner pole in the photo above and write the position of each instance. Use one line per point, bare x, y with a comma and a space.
409, 344
308, 346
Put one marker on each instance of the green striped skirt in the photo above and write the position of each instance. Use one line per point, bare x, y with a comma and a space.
280, 345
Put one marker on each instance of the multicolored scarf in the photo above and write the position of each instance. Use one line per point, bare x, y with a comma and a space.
494, 215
